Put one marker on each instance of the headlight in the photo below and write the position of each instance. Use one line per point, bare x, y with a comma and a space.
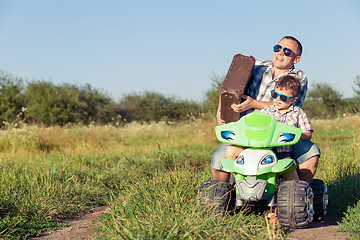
268, 160
240, 160
228, 135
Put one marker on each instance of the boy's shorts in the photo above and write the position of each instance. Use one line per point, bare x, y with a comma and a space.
302, 151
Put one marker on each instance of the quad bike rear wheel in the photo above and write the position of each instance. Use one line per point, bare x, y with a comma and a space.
321, 199
214, 195
295, 204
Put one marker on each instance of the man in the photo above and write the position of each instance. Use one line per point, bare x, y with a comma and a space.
286, 54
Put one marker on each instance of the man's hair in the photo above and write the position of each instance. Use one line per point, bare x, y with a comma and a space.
289, 83
297, 41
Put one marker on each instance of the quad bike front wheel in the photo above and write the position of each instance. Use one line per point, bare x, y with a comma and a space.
321, 199
214, 195
295, 204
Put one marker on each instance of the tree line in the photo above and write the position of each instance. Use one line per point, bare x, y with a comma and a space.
43, 102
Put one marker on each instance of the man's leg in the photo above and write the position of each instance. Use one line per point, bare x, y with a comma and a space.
307, 169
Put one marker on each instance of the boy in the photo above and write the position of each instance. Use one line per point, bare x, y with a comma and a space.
287, 88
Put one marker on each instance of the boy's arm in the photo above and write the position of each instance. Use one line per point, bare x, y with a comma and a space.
305, 125
306, 135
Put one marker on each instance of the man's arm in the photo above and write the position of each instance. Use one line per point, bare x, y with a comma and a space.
218, 113
249, 103
301, 98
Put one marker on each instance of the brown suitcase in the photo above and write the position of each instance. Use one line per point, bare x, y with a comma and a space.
236, 81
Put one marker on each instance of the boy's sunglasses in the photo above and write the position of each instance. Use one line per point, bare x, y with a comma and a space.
286, 51
282, 97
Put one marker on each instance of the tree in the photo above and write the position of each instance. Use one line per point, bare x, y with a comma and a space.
212, 95
49, 104
95, 105
323, 101
327, 95
356, 89
66, 103
11, 97
152, 106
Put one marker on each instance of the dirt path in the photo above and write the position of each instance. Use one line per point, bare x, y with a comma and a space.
83, 226
326, 230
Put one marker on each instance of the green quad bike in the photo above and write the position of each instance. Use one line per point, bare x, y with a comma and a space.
257, 174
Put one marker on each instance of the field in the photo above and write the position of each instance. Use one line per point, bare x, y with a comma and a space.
149, 175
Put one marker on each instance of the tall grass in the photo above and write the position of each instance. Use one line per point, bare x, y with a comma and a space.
339, 165
165, 207
149, 175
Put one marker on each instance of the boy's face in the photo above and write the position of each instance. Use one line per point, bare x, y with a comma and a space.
280, 105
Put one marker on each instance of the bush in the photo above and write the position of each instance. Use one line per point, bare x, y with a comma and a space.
350, 223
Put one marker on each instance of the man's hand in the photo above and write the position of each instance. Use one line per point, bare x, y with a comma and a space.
249, 103
218, 117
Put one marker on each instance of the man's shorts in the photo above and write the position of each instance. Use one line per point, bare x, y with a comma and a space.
302, 151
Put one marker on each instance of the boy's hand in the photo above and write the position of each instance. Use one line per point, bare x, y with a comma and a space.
249, 103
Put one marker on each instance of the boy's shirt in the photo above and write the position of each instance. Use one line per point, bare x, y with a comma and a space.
294, 116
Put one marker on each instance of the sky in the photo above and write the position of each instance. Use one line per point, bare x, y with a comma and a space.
174, 47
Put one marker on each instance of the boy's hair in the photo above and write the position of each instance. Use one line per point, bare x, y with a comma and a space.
289, 83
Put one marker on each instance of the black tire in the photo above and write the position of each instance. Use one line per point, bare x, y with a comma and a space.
295, 204
214, 195
321, 199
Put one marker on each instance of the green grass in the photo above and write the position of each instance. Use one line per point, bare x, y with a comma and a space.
339, 164
351, 221
165, 207
149, 175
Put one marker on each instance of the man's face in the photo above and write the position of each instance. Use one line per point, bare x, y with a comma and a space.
283, 62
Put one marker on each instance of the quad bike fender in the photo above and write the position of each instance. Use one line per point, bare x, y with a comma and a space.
227, 165
282, 166
258, 130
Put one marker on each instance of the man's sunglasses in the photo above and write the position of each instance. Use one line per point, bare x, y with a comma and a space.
286, 51
282, 97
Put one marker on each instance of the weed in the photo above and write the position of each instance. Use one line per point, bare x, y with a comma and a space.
149, 175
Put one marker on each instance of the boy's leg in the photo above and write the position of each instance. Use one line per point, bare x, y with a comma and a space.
232, 152
220, 175
307, 169
216, 158
290, 176
223, 151
307, 155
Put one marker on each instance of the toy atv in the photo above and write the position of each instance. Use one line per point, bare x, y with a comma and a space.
257, 173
